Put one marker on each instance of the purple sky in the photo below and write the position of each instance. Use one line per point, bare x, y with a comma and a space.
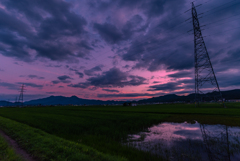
113, 49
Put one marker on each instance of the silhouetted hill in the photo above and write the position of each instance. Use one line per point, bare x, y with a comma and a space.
6, 103
61, 100
55, 100
232, 94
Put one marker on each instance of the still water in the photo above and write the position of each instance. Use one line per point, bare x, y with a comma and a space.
189, 142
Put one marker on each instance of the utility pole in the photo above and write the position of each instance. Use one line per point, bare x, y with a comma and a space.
204, 73
20, 99
16, 101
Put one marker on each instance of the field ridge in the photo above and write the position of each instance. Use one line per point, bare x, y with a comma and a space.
17, 149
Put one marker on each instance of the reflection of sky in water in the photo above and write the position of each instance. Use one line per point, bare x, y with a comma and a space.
189, 138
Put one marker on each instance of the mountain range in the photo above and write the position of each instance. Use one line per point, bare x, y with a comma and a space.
61, 100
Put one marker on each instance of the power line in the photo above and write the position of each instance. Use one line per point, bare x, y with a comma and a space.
224, 18
221, 19
218, 10
223, 31
213, 10
157, 42
221, 24
168, 41
219, 6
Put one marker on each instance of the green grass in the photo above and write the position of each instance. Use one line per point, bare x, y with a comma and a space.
48, 147
105, 127
6, 152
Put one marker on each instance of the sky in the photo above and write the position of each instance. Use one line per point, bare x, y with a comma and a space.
113, 49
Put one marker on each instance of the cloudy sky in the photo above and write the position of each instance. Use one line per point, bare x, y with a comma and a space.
113, 49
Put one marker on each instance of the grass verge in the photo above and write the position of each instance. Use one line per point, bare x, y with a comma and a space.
44, 146
6, 152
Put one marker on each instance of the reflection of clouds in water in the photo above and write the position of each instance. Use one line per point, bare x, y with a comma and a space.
171, 132
193, 134
187, 139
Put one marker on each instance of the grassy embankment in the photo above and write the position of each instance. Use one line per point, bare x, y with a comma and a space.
6, 152
44, 146
104, 128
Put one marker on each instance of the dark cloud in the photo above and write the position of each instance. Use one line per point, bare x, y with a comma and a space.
18, 63
32, 76
126, 66
91, 72
64, 77
182, 74
80, 74
55, 81
31, 85
178, 84
146, 34
109, 32
150, 59
231, 55
93, 88
154, 8
80, 85
35, 76
127, 95
116, 78
9, 85
134, 25
171, 86
56, 66
150, 8
111, 90
161, 48
228, 79
71, 69
136, 80
15, 45
43, 32
12, 23
112, 78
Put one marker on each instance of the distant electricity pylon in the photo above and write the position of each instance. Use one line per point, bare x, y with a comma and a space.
204, 73
20, 99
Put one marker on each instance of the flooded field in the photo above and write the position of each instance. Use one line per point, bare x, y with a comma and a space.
189, 141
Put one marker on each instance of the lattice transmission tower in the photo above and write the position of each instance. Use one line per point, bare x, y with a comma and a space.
205, 78
20, 99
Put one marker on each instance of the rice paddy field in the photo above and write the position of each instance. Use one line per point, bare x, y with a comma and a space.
99, 132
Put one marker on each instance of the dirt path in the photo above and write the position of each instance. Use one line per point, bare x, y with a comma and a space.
18, 150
